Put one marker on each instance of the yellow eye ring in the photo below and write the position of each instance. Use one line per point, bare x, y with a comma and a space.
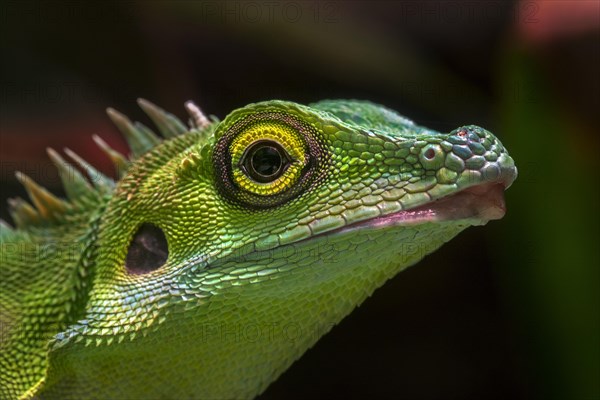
281, 146
280, 136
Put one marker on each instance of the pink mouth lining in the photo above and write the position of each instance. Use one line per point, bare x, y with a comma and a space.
481, 203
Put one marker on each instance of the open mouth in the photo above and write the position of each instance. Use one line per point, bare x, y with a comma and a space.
476, 205
484, 202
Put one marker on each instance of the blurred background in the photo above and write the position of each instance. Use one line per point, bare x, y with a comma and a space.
509, 310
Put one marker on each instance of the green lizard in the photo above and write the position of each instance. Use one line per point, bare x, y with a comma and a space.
227, 249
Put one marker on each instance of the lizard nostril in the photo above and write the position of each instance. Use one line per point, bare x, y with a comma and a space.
147, 251
432, 156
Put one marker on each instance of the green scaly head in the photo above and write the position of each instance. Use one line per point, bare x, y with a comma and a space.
226, 251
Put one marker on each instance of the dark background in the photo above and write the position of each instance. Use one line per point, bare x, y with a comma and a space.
509, 310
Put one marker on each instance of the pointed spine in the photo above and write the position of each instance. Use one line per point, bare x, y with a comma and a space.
119, 161
140, 141
144, 129
98, 179
47, 205
22, 212
168, 124
75, 184
197, 117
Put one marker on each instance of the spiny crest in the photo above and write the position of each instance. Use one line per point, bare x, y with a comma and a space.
168, 125
119, 161
45, 207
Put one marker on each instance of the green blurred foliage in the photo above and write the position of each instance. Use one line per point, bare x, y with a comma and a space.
550, 258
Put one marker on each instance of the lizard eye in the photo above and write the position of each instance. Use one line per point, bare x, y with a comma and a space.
264, 161
266, 158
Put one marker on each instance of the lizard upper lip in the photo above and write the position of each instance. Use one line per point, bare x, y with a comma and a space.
478, 204
484, 202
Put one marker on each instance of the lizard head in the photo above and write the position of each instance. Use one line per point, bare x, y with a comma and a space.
226, 252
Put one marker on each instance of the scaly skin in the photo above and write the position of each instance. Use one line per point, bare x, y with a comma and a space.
258, 267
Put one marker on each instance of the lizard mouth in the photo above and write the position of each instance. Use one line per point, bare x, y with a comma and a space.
484, 202
475, 205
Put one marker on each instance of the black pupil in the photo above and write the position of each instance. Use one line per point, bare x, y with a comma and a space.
266, 160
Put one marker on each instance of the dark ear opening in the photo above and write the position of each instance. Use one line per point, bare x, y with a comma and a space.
147, 251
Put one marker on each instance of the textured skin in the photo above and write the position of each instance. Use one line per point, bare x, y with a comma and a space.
255, 274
